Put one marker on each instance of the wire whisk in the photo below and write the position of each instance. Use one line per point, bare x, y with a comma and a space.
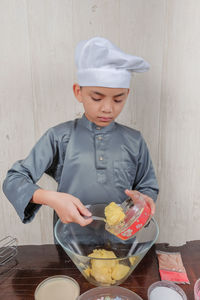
8, 249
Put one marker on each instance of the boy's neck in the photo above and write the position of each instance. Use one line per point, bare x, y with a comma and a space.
95, 127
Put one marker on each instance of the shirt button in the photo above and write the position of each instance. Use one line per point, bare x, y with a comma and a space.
99, 137
98, 128
100, 158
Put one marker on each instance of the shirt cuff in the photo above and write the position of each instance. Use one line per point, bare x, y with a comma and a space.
151, 194
30, 212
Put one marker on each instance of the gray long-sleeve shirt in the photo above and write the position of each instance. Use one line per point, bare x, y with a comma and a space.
95, 164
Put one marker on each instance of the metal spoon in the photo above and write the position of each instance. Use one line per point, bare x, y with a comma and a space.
95, 218
124, 205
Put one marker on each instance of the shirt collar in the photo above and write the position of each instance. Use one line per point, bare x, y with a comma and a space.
95, 128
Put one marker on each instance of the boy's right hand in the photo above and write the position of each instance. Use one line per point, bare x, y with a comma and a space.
68, 208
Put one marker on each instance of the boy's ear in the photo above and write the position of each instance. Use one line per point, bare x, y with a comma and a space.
77, 92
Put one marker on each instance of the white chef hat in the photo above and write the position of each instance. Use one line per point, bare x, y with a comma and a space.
100, 63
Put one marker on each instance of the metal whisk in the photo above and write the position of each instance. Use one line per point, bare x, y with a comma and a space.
8, 249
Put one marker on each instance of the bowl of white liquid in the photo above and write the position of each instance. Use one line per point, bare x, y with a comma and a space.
165, 290
59, 287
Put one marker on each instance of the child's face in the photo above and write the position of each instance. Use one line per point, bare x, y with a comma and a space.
102, 105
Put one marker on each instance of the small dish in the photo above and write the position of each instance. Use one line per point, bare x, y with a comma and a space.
111, 293
197, 290
165, 290
57, 287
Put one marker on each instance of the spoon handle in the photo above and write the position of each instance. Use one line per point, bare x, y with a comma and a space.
95, 218
98, 218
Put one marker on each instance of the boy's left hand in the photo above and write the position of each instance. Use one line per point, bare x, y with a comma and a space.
135, 196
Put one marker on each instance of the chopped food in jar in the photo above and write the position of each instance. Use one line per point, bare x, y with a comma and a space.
114, 214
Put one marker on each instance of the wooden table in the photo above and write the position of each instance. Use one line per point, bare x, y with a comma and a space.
19, 278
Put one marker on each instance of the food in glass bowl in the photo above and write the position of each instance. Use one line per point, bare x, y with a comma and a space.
105, 270
84, 244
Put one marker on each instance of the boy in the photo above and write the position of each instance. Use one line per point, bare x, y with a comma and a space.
93, 159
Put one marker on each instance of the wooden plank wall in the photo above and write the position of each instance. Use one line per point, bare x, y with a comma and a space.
37, 71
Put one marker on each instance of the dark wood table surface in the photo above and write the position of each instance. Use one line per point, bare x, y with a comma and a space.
20, 277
